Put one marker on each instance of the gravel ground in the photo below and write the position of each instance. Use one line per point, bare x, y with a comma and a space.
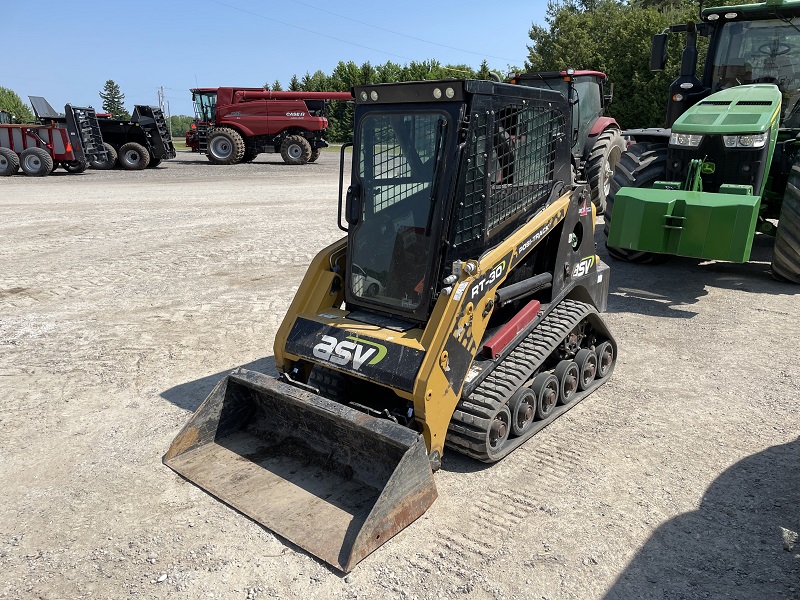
124, 296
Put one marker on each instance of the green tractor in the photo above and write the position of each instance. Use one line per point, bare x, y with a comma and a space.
727, 165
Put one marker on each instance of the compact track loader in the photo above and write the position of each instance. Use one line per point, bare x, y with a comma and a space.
460, 310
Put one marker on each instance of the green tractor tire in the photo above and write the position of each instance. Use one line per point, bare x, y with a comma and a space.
786, 253
639, 166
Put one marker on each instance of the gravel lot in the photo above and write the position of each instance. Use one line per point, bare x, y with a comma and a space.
124, 296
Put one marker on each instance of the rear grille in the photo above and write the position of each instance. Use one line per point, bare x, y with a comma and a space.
753, 103
735, 166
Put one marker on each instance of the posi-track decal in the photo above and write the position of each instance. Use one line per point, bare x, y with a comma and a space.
525, 247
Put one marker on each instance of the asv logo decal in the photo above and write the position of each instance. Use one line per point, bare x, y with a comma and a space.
582, 268
356, 350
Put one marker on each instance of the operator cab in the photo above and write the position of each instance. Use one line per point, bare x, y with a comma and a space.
415, 144
205, 105
763, 51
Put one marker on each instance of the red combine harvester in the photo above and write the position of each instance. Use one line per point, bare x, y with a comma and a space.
237, 124
38, 149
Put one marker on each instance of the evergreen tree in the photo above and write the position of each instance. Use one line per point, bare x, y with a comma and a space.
112, 98
276, 86
11, 102
484, 72
294, 84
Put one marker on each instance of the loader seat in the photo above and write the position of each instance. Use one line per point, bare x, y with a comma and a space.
408, 262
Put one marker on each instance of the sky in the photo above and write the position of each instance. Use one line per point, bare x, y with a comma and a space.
72, 48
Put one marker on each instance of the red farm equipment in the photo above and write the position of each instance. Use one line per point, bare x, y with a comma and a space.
237, 124
597, 142
38, 149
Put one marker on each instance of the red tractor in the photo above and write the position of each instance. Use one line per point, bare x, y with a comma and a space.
237, 124
597, 142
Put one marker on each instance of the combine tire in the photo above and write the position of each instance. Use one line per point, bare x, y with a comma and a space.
314, 155
75, 166
639, 166
786, 253
225, 146
296, 150
603, 159
9, 162
109, 162
36, 162
133, 157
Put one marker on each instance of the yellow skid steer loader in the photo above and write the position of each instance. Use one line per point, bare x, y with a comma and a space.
460, 310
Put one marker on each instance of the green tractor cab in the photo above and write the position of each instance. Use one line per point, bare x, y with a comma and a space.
727, 165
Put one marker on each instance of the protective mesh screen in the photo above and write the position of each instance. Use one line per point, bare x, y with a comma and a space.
400, 162
523, 153
515, 150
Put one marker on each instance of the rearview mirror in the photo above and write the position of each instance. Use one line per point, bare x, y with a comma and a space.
658, 52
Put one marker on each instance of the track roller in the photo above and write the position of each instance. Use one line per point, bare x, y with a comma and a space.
498, 431
546, 387
567, 373
523, 408
605, 358
587, 367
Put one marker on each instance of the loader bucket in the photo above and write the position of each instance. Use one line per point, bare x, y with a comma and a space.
332, 480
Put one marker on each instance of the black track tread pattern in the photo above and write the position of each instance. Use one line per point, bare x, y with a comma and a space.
330, 383
473, 415
608, 147
12, 161
786, 252
639, 166
236, 141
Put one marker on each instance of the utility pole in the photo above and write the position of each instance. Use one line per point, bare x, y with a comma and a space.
163, 109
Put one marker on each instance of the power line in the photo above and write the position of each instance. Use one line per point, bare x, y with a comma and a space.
249, 12
411, 37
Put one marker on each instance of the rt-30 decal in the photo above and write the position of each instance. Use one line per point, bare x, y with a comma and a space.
488, 280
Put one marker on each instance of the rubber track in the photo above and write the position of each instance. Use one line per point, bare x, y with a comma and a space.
473, 415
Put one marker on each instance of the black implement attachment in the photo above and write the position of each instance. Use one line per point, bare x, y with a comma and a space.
333, 480
152, 120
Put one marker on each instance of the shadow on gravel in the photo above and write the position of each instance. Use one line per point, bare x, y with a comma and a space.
190, 395
740, 543
668, 288
258, 161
